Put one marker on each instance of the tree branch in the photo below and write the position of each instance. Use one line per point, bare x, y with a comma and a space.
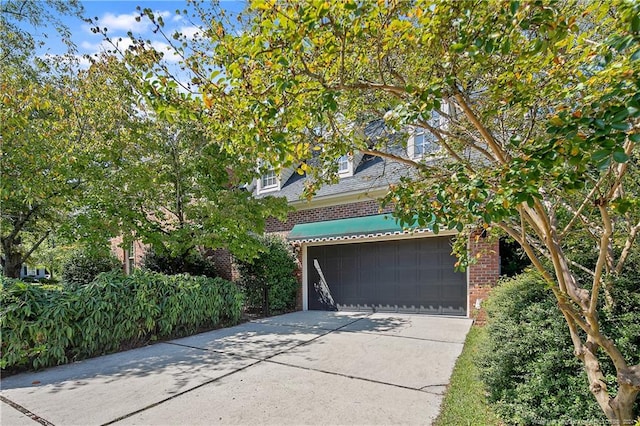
626, 250
499, 153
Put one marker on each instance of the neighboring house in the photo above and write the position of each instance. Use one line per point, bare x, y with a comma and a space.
355, 257
130, 256
38, 273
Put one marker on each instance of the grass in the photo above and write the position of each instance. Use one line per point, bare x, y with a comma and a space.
465, 402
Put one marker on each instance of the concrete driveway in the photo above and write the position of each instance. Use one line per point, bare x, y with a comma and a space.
301, 368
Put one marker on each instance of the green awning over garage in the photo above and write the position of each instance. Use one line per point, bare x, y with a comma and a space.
380, 224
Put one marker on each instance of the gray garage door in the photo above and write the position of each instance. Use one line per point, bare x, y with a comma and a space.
414, 275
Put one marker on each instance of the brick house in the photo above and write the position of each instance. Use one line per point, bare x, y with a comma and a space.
354, 256
130, 256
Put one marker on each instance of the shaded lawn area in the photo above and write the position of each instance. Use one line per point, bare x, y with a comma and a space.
465, 402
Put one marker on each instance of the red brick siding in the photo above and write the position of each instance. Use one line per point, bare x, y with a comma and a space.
122, 253
224, 264
484, 274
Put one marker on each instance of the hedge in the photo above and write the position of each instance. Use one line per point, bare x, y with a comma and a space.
83, 266
528, 365
43, 326
274, 269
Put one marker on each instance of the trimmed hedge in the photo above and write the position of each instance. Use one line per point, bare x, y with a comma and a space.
194, 263
527, 364
43, 326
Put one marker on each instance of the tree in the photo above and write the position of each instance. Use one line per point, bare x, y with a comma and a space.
183, 194
19, 43
187, 190
58, 149
539, 105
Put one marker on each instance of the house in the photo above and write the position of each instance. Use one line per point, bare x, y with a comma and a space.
354, 256
36, 273
130, 255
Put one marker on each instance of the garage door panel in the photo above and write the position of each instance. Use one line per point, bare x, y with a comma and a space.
414, 275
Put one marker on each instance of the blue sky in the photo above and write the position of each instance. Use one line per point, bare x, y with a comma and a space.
119, 17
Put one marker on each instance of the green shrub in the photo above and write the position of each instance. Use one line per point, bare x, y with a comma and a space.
528, 364
193, 263
45, 325
83, 266
273, 269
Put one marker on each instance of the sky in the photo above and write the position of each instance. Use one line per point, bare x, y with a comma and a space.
119, 17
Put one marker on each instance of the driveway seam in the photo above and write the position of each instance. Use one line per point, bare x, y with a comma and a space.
31, 415
400, 337
208, 382
155, 404
333, 373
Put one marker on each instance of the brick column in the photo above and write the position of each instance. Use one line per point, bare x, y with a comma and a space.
224, 264
484, 274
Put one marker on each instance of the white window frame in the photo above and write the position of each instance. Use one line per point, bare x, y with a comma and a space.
346, 161
427, 138
131, 257
420, 142
269, 181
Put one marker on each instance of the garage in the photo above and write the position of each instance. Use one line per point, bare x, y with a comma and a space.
403, 275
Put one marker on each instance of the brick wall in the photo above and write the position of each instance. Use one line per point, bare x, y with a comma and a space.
122, 253
342, 211
225, 267
484, 274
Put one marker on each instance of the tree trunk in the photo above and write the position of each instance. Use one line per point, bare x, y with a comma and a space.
11, 264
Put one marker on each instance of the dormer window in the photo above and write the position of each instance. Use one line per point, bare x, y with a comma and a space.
269, 180
343, 164
421, 142
346, 165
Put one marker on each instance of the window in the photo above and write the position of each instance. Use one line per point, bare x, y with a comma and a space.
269, 179
420, 143
343, 164
131, 257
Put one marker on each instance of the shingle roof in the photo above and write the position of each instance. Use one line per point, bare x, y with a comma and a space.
371, 173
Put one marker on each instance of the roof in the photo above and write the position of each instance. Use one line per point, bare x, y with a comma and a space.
371, 173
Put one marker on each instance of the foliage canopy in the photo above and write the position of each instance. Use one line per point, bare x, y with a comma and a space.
540, 108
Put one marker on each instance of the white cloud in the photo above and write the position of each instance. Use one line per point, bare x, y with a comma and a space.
127, 22
124, 22
169, 54
190, 32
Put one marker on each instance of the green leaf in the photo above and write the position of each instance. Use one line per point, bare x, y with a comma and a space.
620, 157
620, 115
514, 7
635, 23
620, 126
600, 154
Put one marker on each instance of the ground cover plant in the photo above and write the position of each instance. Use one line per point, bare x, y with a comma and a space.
465, 402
